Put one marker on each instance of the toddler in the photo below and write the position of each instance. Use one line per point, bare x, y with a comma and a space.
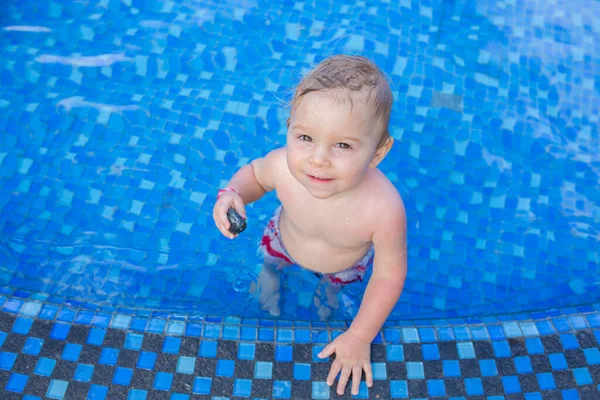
339, 214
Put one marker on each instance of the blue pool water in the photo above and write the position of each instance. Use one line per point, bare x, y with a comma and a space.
120, 119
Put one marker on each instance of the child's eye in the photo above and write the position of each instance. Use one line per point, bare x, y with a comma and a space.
344, 145
305, 138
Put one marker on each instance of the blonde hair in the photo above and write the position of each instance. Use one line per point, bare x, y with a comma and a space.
355, 74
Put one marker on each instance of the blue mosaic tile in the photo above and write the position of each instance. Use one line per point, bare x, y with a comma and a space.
32, 345
16, 383
146, 360
202, 385
83, 372
163, 381
7, 360
97, 392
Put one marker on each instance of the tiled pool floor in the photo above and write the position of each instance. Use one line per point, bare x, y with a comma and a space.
552, 358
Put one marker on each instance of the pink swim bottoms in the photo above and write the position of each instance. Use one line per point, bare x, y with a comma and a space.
275, 254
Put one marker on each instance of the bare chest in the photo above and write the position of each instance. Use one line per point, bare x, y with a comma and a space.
345, 225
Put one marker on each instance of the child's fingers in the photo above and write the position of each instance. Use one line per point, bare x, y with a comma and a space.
327, 351
343, 379
356, 375
333, 371
368, 374
238, 205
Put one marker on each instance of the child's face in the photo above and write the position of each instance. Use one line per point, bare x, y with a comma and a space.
331, 144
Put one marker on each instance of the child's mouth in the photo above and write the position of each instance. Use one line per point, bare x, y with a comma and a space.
314, 178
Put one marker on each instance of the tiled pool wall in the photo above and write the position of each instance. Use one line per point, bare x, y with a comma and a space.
64, 352
505, 90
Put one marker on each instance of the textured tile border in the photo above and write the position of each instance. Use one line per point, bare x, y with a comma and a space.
29, 305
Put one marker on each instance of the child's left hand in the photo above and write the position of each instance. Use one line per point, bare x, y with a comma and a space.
352, 356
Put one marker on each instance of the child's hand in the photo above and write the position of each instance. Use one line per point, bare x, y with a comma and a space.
227, 200
352, 356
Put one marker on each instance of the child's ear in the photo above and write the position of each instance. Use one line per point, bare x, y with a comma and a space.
381, 152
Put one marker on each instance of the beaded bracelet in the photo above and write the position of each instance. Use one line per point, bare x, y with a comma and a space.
227, 189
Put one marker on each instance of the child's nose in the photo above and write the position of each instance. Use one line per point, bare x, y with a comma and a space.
319, 157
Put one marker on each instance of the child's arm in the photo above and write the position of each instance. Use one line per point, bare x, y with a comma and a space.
250, 183
353, 347
389, 272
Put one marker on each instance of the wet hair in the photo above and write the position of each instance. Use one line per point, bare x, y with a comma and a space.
354, 74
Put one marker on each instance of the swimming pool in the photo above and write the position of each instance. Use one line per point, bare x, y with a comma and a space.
120, 120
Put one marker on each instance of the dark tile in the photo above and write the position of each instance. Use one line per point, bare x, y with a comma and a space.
586, 339
6, 321
222, 386
64, 370
417, 388
513, 396
283, 371
448, 350
13, 343
492, 385
588, 392
89, 354
483, 350
158, 395
300, 390
396, 371
595, 372
52, 348
433, 369
552, 395
455, 387
469, 368
379, 390
412, 352
166, 362
78, 334
205, 367
103, 374
318, 371
378, 353
37, 385
517, 347
4, 375
182, 383
40, 329
189, 346
200, 397
127, 358
266, 352
540, 363
117, 392
226, 350
564, 379
302, 353
552, 344
244, 369
142, 379
114, 338
77, 390
575, 358
506, 366
11, 396
24, 364
152, 342
262, 388
529, 383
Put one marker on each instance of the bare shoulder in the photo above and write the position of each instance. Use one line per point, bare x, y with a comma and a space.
384, 198
269, 169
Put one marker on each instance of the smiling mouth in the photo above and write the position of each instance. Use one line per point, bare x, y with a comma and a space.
319, 179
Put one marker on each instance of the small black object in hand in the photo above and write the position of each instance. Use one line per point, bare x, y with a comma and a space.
238, 224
